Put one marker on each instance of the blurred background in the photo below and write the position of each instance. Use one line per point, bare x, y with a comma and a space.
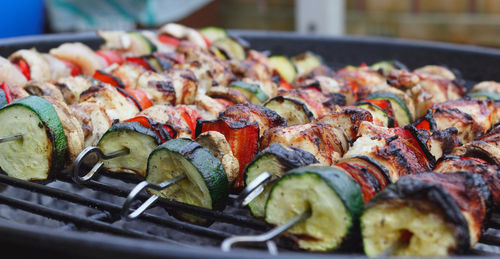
460, 21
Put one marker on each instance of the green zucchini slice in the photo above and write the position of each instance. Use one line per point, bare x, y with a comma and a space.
377, 113
43, 149
334, 198
386, 66
401, 111
284, 66
293, 110
206, 184
276, 160
213, 33
306, 62
485, 95
252, 91
3, 99
141, 44
139, 140
230, 48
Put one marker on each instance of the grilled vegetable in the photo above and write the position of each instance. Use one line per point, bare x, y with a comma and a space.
139, 140
206, 183
294, 110
242, 136
108, 78
428, 214
380, 117
251, 91
386, 66
401, 112
3, 98
252, 113
140, 44
276, 160
284, 66
213, 33
230, 48
43, 149
485, 95
306, 62
333, 197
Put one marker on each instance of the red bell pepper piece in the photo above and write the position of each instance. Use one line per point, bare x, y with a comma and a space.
24, 68
285, 85
424, 124
169, 40
224, 102
108, 78
74, 68
140, 96
243, 138
190, 116
163, 131
6, 90
139, 61
111, 56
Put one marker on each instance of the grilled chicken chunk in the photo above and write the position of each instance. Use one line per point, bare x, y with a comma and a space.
73, 87
43, 89
330, 85
326, 142
208, 107
58, 68
81, 55
217, 144
127, 73
347, 119
117, 106
256, 66
486, 86
167, 114
362, 79
10, 74
38, 66
94, 120
250, 113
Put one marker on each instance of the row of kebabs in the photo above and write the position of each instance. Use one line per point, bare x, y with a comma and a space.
297, 126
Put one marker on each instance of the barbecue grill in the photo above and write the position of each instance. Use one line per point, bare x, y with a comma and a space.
83, 220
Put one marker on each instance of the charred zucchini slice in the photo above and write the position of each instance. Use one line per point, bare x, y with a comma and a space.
379, 115
230, 48
335, 201
206, 183
386, 66
43, 149
429, 214
252, 91
293, 110
284, 66
213, 33
139, 140
141, 45
306, 62
485, 95
276, 160
401, 111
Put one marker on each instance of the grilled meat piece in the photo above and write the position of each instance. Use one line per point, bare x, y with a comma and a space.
38, 65
117, 106
348, 119
252, 113
94, 120
361, 79
43, 89
167, 114
330, 85
81, 55
73, 87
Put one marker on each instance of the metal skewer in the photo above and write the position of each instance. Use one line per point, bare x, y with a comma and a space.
98, 156
266, 237
11, 138
253, 189
138, 188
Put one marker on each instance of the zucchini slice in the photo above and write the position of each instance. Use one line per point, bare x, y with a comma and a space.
293, 110
429, 214
401, 111
43, 149
380, 117
276, 160
206, 184
213, 33
306, 62
139, 140
386, 66
284, 66
3, 99
251, 91
485, 95
230, 48
141, 45
334, 198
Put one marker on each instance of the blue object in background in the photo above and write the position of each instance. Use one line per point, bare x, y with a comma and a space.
21, 17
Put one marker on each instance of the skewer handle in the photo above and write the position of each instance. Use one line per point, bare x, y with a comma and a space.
132, 197
98, 155
265, 237
252, 190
